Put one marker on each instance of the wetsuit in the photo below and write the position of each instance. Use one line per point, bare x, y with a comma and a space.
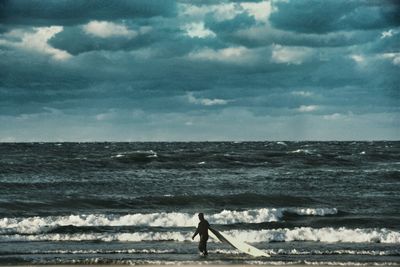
202, 230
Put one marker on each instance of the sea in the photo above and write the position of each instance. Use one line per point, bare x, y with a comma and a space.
312, 203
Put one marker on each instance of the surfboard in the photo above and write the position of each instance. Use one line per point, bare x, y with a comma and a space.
238, 244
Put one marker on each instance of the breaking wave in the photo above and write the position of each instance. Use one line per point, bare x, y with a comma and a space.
326, 235
100, 260
293, 251
37, 224
95, 251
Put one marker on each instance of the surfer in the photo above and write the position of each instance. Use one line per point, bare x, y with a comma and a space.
202, 230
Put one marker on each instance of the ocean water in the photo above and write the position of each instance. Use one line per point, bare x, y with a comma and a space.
137, 203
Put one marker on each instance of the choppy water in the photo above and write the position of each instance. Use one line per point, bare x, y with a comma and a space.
302, 202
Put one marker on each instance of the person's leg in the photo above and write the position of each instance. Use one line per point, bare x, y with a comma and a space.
203, 246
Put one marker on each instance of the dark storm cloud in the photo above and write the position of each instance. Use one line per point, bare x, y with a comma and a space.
261, 36
239, 22
167, 41
151, 67
70, 12
385, 44
150, 86
75, 41
331, 15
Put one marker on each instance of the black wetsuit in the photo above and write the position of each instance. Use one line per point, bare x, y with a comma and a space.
202, 230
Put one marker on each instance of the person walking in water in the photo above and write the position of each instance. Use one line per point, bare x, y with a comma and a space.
202, 230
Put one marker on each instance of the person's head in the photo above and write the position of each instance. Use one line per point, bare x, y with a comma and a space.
201, 216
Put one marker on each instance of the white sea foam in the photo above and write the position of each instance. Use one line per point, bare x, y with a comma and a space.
172, 219
145, 153
303, 151
332, 252
350, 263
105, 237
313, 211
223, 251
99, 260
101, 251
320, 263
326, 235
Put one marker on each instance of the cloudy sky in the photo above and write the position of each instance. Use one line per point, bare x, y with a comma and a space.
157, 70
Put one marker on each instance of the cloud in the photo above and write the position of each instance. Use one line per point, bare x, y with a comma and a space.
387, 34
291, 55
53, 110
198, 30
332, 15
206, 101
226, 10
105, 29
304, 108
358, 58
337, 116
226, 28
109, 115
278, 67
394, 57
302, 93
387, 44
74, 12
259, 10
103, 36
35, 41
220, 12
138, 125
261, 35
237, 55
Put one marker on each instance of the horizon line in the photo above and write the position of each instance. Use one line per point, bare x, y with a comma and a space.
200, 141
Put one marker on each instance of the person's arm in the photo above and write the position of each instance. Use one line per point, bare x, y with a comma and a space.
195, 233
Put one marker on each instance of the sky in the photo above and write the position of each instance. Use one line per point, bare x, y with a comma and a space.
152, 70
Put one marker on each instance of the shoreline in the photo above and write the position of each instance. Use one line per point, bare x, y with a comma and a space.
201, 264
196, 265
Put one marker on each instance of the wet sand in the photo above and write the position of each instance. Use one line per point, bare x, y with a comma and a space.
193, 265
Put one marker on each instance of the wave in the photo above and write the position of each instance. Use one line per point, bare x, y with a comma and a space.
173, 219
292, 252
92, 251
106, 237
119, 156
320, 263
301, 151
237, 200
138, 155
122, 202
313, 211
325, 235
141, 262
287, 252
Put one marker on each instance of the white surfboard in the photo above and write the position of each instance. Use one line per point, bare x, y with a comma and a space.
238, 244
